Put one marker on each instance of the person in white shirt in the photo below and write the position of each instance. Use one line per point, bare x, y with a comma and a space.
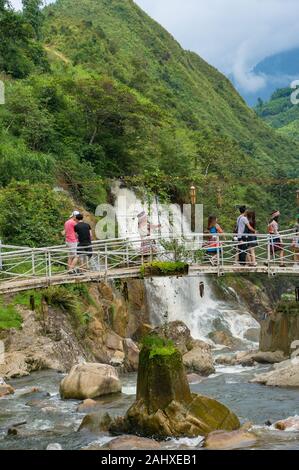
275, 240
243, 228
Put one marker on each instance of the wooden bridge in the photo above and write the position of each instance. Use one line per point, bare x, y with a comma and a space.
24, 268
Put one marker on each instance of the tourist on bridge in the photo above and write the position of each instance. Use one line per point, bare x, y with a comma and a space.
71, 240
83, 231
276, 245
295, 243
252, 239
243, 228
213, 241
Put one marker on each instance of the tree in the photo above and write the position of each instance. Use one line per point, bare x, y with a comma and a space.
32, 14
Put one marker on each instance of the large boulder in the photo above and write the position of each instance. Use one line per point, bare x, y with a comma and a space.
219, 440
199, 360
90, 380
225, 338
96, 422
285, 374
249, 358
132, 443
131, 351
289, 424
177, 332
164, 404
5, 389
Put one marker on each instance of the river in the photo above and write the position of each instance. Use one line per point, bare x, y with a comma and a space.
52, 420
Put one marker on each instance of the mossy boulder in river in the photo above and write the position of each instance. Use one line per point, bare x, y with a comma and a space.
164, 404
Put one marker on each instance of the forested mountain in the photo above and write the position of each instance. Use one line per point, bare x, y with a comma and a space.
281, 113
95, 90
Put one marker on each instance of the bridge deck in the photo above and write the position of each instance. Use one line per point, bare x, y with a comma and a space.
13, 286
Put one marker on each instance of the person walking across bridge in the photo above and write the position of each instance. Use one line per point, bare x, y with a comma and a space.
71, 240
243, 227
213, 244
295, 242
83, 231
252, 239
276, 245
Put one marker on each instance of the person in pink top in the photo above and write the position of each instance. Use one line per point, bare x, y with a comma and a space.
71, 240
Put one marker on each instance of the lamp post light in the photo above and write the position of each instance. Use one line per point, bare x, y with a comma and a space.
193, 203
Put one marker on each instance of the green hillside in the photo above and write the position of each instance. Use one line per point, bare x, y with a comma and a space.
106, 92
281, 113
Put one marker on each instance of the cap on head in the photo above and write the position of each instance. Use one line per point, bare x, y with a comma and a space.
74, 214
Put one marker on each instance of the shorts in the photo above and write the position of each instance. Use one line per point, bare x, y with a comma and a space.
276, 245
72, 248
85, 250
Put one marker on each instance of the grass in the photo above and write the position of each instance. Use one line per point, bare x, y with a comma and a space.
158, 346
164, 268
9, 317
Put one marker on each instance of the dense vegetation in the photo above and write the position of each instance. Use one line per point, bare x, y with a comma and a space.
96, 90
281, 113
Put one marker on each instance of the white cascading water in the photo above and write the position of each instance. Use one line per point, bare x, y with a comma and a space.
171, 298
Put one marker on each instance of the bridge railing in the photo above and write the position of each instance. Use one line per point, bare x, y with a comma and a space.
217, 253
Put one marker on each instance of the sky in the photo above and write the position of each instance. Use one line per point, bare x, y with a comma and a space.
232, 35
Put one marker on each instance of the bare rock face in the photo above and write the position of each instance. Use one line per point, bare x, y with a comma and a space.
199, 360
219, 440
5, 389
40, 346
164, 404
289, 424
285, 374
90, 380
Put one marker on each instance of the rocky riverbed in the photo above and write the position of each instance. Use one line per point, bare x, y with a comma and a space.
48, 419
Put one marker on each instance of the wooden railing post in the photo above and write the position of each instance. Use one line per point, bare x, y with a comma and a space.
106, 259
33, 263
50, 264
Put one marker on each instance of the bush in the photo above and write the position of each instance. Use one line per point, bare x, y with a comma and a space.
32, 215
164, 268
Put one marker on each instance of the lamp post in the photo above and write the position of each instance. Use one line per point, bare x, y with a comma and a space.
193, 203
297, 198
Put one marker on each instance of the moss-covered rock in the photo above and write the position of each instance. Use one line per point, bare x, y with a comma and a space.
164, 404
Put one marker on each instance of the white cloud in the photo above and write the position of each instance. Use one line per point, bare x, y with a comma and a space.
232, 35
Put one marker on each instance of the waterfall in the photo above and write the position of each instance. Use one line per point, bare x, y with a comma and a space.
179, 299
171, 298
